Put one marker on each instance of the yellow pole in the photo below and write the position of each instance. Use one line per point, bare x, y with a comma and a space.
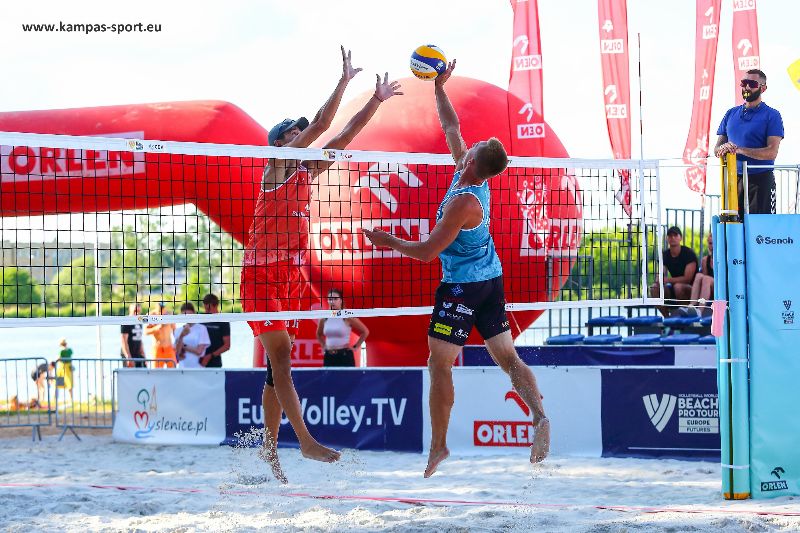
730, 195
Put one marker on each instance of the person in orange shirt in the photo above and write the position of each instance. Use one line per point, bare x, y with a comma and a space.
163, 350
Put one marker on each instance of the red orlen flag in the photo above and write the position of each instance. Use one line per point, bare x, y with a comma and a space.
526, 122
612, 17
745, 43
696, 150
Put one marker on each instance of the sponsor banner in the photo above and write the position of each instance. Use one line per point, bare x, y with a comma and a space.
498, 421
670, 412
745, 47
348, 408
170, 407
613, 25
773, 259
525, 80
706, 38
343, 240
582, 356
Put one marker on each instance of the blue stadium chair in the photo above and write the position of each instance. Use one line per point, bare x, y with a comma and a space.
680, 321
705, 321
564, 340
608, 321
644, 320
602, 339
708, 339
642, 338
680, 338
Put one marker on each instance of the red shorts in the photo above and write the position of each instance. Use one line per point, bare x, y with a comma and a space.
272, 288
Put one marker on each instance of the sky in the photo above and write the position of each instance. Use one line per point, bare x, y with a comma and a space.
277, 59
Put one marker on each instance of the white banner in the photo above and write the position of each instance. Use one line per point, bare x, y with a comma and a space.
489, 417
170, 406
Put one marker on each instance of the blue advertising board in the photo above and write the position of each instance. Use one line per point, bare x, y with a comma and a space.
579, 356
347, 408
671, 412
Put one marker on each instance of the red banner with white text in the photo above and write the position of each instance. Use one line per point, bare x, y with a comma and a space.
706, 37
612, 16
745, 43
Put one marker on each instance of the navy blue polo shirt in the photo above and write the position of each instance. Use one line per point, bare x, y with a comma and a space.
749, 128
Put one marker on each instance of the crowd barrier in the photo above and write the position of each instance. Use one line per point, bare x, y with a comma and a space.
605, 411
23, 404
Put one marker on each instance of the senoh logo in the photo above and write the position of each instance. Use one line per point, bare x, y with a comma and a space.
766, 239
35, 163
505, 433
342, 240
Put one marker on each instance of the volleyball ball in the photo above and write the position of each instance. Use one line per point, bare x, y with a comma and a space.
427, 62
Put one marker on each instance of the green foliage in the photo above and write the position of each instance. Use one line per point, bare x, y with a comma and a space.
19, 287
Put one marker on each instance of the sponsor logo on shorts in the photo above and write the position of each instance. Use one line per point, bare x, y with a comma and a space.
504, 324
268, 323
447, 305
457, 290
442, 329
464, 310
445, 314
461, 334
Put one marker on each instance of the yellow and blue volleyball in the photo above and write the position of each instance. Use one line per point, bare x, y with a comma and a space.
428, 61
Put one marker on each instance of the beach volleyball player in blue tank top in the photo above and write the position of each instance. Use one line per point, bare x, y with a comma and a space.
471, 291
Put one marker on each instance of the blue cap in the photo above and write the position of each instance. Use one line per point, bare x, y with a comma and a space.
284, 126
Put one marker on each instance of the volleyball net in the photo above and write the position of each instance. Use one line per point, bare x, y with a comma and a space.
93, 225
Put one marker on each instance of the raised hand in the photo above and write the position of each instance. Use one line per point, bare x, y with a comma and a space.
385, 89
442, 78
348, 72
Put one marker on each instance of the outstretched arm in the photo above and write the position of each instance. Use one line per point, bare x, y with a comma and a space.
448, 117
462, 211
383, 91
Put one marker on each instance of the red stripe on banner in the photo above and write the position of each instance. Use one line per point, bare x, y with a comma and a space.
412, 500
613, 25
706, 37
746, 54
526, 122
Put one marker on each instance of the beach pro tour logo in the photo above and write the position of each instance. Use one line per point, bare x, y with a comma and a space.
505, 433
697, 412
780, 484
766, 239
342, 240
37, 163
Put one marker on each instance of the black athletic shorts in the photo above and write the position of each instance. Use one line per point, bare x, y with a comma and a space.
760, 191
341, 357
459, 306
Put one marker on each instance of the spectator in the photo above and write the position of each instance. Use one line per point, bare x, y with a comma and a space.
192, 341
131, 335
703, 286
680, 266
40, 375
334, 334
163, 350
219, 333
64, 369
753, 131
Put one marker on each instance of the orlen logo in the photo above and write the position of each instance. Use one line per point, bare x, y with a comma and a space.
766, 239
505, 433
342, 240
34, 163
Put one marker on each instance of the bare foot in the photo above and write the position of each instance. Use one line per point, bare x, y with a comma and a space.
435, 457
318, 452
541, 441
269, 454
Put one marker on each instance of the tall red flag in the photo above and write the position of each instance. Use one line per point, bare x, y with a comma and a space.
696, 150
612, 17
745, 42
527, 122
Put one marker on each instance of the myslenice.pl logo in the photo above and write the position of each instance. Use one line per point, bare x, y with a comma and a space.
766, 239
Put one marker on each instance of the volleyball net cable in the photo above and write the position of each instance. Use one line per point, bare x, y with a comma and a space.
92, 225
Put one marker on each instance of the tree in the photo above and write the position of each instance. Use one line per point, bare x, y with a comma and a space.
19, 287
75, 283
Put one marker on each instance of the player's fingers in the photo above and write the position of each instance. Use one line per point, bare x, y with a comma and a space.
386, 79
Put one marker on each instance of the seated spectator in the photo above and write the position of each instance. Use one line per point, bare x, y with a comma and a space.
163, 350
334, 334
680, 267
703, 286
192, 341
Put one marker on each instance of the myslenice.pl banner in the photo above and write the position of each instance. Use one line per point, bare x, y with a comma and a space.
170, 406
669, 412
348, 408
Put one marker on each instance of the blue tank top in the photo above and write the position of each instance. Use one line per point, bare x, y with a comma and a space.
472, 256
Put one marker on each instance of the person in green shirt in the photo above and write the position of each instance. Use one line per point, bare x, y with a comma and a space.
64, 368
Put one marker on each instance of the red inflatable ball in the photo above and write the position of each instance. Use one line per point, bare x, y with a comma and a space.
535, 214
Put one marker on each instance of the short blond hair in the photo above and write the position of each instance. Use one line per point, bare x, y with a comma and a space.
491, 159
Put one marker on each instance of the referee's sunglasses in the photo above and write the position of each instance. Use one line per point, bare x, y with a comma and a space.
752, 84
